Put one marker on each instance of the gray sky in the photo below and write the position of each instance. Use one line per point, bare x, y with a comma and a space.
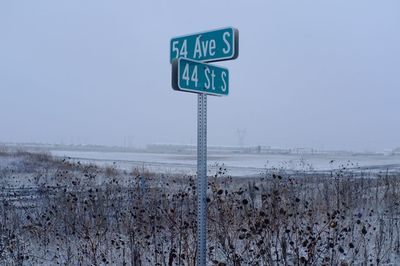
322, 74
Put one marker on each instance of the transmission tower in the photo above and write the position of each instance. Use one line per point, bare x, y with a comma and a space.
241, 136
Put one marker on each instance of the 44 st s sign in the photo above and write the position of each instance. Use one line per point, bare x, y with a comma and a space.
193, 76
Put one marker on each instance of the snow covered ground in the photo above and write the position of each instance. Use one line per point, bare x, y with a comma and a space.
236, 164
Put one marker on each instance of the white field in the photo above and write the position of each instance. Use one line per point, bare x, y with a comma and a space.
236, 164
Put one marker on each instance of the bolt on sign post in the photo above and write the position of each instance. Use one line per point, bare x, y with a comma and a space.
189, 55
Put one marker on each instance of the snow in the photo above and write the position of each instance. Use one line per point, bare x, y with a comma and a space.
236, 164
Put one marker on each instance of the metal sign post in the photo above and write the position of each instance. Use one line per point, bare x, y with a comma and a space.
201, 177
190, 74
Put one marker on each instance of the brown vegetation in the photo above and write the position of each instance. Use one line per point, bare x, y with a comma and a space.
77, 214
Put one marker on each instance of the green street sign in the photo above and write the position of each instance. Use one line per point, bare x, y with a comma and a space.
193, 76
210, 46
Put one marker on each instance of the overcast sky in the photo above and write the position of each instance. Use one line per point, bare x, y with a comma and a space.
322, 74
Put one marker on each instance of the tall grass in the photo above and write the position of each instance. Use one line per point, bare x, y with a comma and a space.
145, 219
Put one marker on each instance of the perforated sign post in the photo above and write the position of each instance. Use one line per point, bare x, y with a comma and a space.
190, 73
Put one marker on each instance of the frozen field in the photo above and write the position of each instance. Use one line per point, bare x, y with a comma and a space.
235, 164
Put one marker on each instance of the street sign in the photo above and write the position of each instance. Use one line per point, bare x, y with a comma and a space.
210, 46
193, 76
188, 55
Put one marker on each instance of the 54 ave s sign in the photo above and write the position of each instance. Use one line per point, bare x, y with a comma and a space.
193, 76
210, 46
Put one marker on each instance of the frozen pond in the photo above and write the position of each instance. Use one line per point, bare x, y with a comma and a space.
236, 164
